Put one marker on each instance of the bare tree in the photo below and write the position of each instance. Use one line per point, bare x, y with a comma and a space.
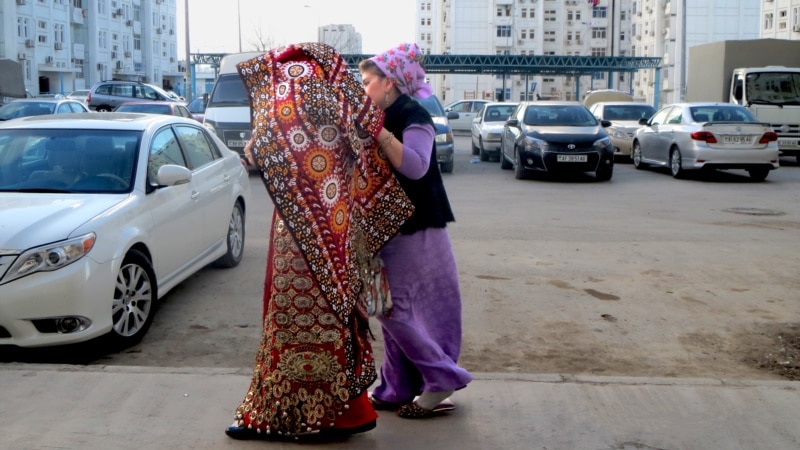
262, 42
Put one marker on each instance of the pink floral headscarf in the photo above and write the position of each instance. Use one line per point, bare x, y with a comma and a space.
404, 65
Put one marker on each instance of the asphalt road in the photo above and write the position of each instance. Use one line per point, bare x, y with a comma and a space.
641, 275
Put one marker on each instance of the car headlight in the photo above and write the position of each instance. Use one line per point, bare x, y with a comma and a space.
602, 142
444, 138
619, 134
536, 144
50, 257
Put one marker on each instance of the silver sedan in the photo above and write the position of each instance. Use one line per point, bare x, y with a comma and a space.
487, 129
694, 136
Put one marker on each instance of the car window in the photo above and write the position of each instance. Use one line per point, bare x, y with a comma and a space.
628, 112
146, 92
76, 107
197, 106
196, 145
182, 111
498, 113
63, 108
674, 116
164, 149
461, 107
122, 90
660, 116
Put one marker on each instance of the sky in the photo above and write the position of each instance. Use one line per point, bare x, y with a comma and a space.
214, 24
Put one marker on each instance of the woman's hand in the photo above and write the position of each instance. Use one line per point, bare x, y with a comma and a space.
248, 153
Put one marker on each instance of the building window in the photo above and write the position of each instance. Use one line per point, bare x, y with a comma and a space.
599, 12
504, 31
598, 33
550, 15
598, 51
768, 20
549, 36
523, 34
524, 13
102, 39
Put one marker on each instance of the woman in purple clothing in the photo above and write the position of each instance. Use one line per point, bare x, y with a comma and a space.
422, 335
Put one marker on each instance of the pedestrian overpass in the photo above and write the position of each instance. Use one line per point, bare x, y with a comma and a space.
501, 65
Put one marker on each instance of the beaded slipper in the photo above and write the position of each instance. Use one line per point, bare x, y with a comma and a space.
414, 411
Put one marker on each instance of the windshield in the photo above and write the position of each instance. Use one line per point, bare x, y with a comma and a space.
721, 113
229, 91
559, 115
66, 160
25, 109
432, 105
773, 87
145, 108
628, 112
498, 113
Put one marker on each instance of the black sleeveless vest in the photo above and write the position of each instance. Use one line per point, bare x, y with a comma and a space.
431, 206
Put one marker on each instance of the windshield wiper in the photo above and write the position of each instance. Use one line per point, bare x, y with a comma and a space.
761, 101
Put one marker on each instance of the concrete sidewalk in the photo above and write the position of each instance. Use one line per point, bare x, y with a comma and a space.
114, 407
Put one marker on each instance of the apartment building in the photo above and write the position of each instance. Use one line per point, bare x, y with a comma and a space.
780, 19
65, 45
646, 28
344, 38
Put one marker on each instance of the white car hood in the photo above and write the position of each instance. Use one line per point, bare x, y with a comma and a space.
30, 220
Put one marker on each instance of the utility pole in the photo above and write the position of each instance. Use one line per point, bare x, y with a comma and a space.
187, 82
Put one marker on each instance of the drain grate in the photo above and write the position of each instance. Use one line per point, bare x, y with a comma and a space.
755, 211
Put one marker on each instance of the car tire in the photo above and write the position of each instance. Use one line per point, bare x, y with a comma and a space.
234, 239
604, 172
482, 152
103, 108
475, 149
133, 308
676, 164
636, 156
447, 167
758, 174
519, 172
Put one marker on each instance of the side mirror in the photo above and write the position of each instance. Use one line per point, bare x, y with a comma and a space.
643, 121
205, 99
605, 123
512, 122
452, 115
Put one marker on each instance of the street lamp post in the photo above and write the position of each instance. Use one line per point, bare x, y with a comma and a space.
239, 18
189, 80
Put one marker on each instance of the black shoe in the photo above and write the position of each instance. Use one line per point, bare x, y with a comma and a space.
246, 434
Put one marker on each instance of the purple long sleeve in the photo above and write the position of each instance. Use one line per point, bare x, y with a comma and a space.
417, 144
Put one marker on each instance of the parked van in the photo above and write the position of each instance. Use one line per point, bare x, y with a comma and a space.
228, 108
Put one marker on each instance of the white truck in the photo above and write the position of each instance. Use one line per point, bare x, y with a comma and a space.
762, 75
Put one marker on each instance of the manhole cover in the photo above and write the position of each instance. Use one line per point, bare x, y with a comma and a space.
755, 211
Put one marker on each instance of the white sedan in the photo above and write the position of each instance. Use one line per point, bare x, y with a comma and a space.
103, 214
705, 136
487, 128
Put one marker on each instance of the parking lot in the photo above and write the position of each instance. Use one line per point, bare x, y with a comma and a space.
642, 275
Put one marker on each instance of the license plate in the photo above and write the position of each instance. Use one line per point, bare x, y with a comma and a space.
236, 144
735, 139
788, 142
571, 158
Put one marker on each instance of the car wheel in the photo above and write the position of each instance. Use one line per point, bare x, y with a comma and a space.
675, 164
519, 172
447, 167
604, 172
484, 155
135, 295
103, 108
475, 149
758, 174
636, 156
234, 239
